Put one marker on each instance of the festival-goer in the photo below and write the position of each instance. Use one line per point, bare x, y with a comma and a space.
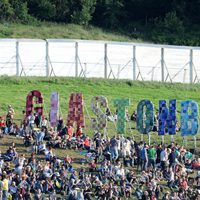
109, 172
152, 157
11, 112
114, 148
2, 126
144, 157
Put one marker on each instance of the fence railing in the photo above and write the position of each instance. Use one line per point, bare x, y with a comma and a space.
115, 60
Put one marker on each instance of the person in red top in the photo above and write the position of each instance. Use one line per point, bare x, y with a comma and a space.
2, 125
86, 143
183, 184
70, 132
79, 132
2, 122
196, 164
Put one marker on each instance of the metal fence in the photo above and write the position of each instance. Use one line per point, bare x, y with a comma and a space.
115, 60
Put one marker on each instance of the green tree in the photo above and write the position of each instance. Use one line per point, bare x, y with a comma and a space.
169, 30
113, 13
109, 13
62, 10
21, 11
83, 14
172, 24
6, 10
42, 9
14, 10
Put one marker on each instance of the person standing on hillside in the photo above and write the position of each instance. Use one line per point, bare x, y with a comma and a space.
9, 118
144, 158
5, 187
152, 157
138, 148
23, 119
172, 159
11, 111
114, 148
163, 159
31, 121
44, 123
158, 152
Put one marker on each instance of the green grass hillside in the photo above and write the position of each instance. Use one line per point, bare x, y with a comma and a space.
14, 91
45, 30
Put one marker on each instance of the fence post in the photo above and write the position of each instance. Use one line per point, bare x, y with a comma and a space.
17, 58
134, 63
76, 59
162, 65
191, 66
47, 58
105, 60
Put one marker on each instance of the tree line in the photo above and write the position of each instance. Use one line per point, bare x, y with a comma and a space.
172, 22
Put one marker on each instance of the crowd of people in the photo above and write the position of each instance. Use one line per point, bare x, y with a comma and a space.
110, 168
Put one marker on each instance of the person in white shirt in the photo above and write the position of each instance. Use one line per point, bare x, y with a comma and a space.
163, 158
125, 147
1, 164
11, 111
31, 121
44, 122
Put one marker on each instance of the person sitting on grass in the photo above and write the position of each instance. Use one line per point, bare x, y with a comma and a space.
92, 166
9, 155
196, 164
31, 121
27, 140
86, 143
68, 160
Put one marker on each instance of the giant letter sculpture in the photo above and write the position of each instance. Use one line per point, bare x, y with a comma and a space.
121, 104
54, 108
30, 101
189, 122
145, 124
167, 118
101, 121
75, 113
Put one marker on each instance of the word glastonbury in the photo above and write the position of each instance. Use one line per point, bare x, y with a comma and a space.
167, 118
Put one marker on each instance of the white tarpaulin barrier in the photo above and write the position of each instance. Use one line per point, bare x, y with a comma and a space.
101, 59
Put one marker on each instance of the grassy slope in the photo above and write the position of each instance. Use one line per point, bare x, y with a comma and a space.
14, 91
52, 30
